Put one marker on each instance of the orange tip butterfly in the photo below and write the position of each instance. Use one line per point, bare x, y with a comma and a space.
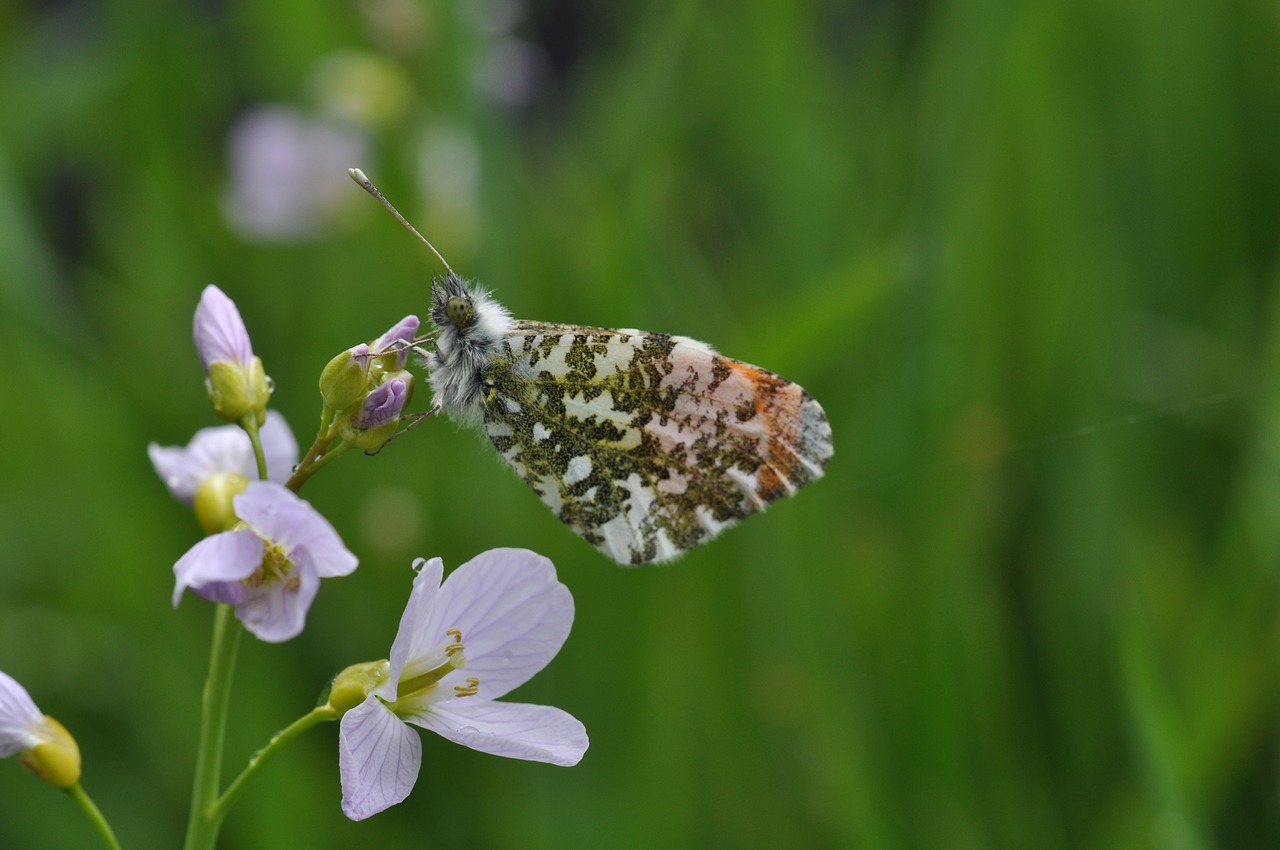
645, 444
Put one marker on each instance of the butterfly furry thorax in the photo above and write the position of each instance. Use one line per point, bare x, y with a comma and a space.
645, 444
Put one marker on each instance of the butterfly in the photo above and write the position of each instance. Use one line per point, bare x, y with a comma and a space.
645, 444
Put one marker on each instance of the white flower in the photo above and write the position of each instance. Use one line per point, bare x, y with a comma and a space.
496, 621
271, 569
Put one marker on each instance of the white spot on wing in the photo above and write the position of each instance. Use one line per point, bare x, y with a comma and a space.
550, 495
540, 431
579, 468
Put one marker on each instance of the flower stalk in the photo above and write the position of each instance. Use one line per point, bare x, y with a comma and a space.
317, 715
77, 793
206, 818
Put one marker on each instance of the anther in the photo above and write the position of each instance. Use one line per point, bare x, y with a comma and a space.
452, 649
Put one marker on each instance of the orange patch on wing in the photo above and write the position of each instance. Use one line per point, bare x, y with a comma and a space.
777, 402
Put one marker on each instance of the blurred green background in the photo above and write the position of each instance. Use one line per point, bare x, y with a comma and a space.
1024, 253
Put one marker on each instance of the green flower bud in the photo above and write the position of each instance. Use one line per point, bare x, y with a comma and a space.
236, 389
344, 380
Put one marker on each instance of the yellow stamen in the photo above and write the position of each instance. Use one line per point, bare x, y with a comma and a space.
470, 689
275, 566
455, 659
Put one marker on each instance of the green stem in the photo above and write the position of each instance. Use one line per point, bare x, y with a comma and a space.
324, 438
205, 819
318, 714
250, 425
77, 793
305, 471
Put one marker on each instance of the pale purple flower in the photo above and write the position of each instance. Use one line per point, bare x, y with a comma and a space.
224, 450
269, 570
288, 173
22, 724
219, 331
496, 621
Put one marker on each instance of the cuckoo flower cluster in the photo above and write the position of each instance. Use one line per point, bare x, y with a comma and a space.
267, 548
463, 642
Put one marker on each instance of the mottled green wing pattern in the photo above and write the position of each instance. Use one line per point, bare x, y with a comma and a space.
647, 444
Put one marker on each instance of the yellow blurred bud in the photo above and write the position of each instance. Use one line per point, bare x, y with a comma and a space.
213, 501
56, 759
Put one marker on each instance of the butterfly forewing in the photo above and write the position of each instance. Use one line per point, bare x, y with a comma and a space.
647, 444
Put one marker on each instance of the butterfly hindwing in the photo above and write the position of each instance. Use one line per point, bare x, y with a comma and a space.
646, 444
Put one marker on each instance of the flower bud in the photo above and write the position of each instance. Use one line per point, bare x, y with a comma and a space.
379, 416
344, 379
394, 345
236, 389
235, 379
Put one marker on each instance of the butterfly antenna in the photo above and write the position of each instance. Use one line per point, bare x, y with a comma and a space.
364, 183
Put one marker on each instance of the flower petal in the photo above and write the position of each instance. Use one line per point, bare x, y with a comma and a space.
19, 718
401, 335
383, 404
275, 612
211, 450
219, 331
509, 729
378, 759
513, 614
280, 516
215, 566
225, 448
278, 447
411, 640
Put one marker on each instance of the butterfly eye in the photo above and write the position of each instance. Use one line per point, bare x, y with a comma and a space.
458, 309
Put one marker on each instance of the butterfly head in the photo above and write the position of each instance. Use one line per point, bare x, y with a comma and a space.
453, 306
460, 309
470, 327
464, 313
